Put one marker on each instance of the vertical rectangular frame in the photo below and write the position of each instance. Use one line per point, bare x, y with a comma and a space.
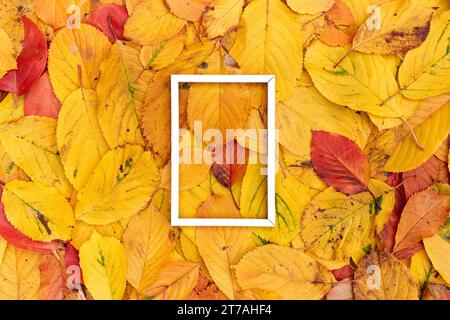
269, 80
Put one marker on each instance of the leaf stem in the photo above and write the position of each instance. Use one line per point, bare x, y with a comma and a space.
411, 130
342, 59
234, 200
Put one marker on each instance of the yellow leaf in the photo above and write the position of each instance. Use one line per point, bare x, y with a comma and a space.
425, 70
74, 55
440, 6
348, 83
380, 146
426, 109
220, 16
3, 245
430, 134
192, 174
121, 93
104, 264
11, 12
30, 142
131, 4
159, 56
190, 199
307, 109
302, 169
438, 250
80, 140
11, 108
221, 248
253, 201
119, 187
217, 105
404, 25
269, 42
284, 271
151, 22
38, 211
7, 54
175, 281
336, 226
155, 118
220, 106
382, 277
218, 207
359, 9
19, 275
55, 12
421, 268
310, 6
190, 10
83, 231
8, 170
148, 246
291, 198
188, 247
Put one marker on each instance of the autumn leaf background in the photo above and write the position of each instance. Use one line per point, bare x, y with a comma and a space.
363, 116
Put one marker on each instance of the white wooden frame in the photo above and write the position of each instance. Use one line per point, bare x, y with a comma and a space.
175, 157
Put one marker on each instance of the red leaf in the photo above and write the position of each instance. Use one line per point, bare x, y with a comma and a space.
409, 252
342, 273
231, 163
71, 258
30, 63
339, 162
41, 100
432, 171
424, 214
18, 239
110, 19
389, 230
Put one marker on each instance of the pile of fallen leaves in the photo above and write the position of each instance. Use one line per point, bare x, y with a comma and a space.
363, 112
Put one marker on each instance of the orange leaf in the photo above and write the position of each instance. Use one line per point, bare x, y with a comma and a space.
340, 26
424, 214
